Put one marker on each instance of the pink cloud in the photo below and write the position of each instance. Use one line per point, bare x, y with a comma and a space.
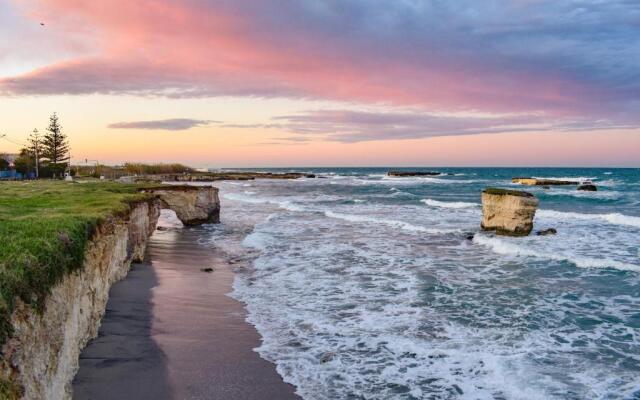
192, 48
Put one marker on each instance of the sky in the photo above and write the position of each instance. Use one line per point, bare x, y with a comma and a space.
228, 83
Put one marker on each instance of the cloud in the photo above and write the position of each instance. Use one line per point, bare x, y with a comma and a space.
566, 59
175, 124
350, 126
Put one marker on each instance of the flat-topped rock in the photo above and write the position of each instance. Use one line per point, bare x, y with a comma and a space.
413, 173
542, 182
508, 212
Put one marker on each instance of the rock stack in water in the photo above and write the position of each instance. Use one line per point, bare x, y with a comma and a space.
508, 212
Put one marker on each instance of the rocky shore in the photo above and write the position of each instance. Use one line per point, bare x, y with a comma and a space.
40, 358
215, 176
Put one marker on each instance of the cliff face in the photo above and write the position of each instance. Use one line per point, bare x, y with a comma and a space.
508, 212
41, 358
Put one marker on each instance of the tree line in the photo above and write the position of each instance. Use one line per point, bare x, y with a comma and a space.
46, 156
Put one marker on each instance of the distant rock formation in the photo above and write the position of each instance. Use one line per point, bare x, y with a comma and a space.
542, 182
213, 176
193, 205
413, 173
508, 212
588, 186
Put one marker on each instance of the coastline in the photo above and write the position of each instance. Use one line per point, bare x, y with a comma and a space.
172, 331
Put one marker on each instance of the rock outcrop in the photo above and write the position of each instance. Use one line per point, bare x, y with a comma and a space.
40, 359
542, 182
588, 186
193, 205
508, 212
215, 176
413, 173
547, 232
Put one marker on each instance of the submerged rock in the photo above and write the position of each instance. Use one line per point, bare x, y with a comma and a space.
508, 212
208, 269
328, 356
588, 186
546, 232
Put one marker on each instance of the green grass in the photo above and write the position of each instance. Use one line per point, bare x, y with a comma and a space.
44, 228
499, 191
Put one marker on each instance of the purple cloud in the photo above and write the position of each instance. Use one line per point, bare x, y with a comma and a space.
357, 126
175, 124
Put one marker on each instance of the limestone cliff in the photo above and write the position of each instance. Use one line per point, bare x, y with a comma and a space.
191, 206
40, 360
508, 212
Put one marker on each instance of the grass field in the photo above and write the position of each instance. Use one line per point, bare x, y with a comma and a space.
44, 227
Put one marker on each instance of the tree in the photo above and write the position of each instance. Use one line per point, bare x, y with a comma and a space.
4, 164
25, 162
35, 149
55, 146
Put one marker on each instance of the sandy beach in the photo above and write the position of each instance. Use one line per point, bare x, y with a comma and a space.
171, 332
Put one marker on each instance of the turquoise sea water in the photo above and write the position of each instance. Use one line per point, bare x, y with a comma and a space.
366, 286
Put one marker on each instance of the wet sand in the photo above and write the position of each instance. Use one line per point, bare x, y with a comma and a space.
171, 332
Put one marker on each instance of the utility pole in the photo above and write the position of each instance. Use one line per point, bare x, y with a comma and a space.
36, 145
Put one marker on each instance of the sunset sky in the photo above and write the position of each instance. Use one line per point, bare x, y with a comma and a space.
225, 83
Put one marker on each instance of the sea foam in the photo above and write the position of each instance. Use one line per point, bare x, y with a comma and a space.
504, 247
612, 218
449, 204
389, 222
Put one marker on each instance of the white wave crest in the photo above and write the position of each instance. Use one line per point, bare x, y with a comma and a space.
255, 240
413, 180
611, 195
285, 204
389, 222
503, 247
448, 204
613, 218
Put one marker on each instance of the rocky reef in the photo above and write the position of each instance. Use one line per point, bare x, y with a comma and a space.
508, 212
40, 358
215, 176
413, 173
542, 182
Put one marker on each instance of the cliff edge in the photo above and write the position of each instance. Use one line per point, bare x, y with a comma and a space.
40, 357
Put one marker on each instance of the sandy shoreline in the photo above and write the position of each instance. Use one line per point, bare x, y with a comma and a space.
171, 332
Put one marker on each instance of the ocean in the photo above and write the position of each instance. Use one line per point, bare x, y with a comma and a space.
364, 286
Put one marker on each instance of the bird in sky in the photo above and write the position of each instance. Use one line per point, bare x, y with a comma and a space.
41, 23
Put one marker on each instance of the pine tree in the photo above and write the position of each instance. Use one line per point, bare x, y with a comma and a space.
55, 146
35, 149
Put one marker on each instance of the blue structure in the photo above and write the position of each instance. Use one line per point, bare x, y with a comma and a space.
11, 175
